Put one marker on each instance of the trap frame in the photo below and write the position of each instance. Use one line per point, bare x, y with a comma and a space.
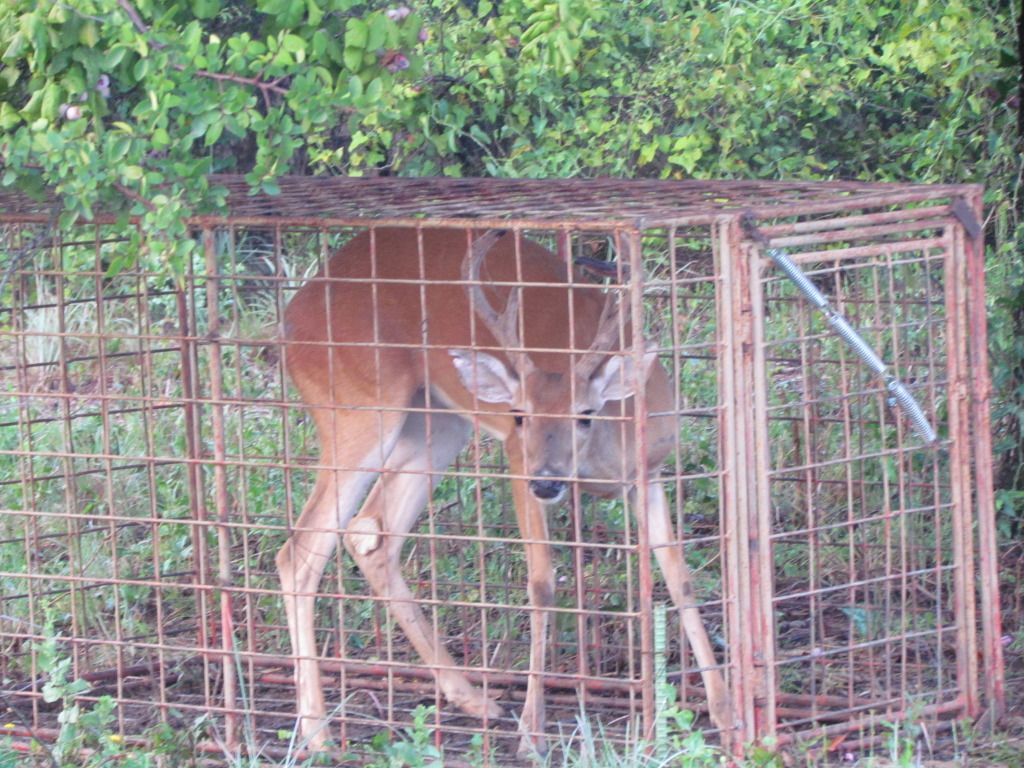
152, 461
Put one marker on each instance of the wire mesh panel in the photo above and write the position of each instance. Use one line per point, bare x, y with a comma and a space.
99, 535
872, 551
162, 442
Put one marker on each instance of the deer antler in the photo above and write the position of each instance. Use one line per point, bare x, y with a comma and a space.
504, 326
605, 337
607, 334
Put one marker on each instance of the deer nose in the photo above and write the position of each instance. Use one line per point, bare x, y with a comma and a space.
546, 489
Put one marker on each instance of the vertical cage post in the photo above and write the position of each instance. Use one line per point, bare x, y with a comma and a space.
732, 492
632, 241
981, 434
959, 444
103, 335
220, 489
184, 301
762, 583
68, 450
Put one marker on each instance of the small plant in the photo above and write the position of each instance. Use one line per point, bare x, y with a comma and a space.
685, 746
8, 755
88, 736
902, 743
79, 728
678, 744
414, 750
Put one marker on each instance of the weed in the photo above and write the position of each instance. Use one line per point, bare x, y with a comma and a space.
414, 749
680, 746
88, 736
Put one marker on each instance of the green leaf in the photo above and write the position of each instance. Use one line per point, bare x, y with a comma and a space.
214, 133
353, 59
374, 90
313, 13
356, 34
9, 116
319, 43
119, 146
49, 107
76, 687
377, 36
88, 34
113, 57
293, 44
205, 9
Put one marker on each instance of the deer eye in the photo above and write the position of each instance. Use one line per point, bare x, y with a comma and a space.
584, 421
517, 416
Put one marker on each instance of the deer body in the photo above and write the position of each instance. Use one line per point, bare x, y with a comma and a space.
395, 358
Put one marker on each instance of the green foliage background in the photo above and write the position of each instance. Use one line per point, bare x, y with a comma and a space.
129, 104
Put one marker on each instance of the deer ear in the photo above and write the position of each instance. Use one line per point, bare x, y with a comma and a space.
485, 376
617, 378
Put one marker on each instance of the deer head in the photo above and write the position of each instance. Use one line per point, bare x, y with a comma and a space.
553, 413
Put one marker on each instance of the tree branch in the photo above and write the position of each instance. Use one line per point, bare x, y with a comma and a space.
266, 88
131, 194
128, 8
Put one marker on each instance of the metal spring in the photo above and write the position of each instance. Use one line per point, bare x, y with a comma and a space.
898, 392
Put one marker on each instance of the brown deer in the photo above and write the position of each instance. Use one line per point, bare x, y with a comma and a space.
386, 346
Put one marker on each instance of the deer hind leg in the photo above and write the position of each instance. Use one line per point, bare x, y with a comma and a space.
680, 587
301, 561
375, 537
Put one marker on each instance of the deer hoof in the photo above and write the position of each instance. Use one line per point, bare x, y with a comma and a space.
532, 745
471, 700
315, 738
363, 535
531, 748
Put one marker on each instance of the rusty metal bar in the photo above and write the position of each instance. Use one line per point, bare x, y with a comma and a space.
901, 215
882, 249
761, 546
959, 432
845, 235
868, 722
731, 491
981, 435
220, 489
108, 466
630, 242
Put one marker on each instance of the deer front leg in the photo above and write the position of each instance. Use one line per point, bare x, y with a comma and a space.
375, 536
540, 587
680, 587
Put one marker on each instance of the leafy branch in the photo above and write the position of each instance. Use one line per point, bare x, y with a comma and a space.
266, 88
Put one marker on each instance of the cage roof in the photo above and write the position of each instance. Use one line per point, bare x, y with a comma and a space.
603, 202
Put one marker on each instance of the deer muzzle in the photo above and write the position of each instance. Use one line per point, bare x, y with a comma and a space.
548, 490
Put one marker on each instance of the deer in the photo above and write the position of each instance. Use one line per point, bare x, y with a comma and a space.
401, 355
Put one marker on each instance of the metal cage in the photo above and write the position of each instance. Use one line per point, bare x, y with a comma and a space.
153, 460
